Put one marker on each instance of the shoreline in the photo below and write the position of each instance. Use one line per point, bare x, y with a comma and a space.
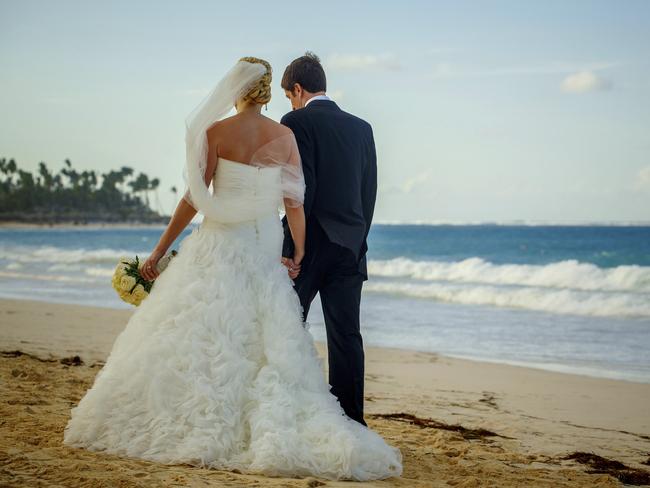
560, 369
422, 402
478, 361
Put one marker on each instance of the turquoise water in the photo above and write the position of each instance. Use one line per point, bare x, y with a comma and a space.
564, 298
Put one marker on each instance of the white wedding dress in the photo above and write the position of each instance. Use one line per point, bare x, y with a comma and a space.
216, 369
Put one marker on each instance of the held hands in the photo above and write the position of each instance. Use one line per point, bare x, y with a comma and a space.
293, 264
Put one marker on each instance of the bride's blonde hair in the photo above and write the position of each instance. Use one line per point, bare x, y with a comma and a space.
261, 92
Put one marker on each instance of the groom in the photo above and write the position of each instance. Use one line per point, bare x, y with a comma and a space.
340, 167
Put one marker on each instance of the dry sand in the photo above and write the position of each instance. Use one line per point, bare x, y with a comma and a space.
417, 401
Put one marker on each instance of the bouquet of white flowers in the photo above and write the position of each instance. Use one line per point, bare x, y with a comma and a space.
128, 281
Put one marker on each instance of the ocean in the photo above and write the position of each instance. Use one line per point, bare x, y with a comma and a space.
562, 298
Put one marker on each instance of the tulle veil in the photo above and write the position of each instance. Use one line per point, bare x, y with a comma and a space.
281, 152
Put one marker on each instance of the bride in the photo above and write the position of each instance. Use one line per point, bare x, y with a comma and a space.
215, 368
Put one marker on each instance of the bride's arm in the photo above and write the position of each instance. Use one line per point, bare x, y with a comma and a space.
293, 190
296, 220
183, 215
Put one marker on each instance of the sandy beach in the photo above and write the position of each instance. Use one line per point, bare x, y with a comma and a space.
457, 422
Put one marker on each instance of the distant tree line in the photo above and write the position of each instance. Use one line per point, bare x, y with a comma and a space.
75, 196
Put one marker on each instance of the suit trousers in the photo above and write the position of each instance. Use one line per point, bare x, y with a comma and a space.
333, 271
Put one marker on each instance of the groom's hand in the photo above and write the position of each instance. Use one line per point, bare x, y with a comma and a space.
292, 267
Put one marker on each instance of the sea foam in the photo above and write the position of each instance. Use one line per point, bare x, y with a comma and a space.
563, 274
565, 287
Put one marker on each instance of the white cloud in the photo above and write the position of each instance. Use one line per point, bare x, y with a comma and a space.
408, 185
357, 62
448, 70
411, 183
444, 70
642, 182
585, 81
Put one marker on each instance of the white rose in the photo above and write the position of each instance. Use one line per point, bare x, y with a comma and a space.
117, 277
120, 264
127, 282
139, 293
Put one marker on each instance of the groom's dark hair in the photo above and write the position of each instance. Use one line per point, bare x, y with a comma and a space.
307, 71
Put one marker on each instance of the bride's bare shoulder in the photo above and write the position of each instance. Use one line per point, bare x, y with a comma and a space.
222, 128
221, 124
235, 127
278, 128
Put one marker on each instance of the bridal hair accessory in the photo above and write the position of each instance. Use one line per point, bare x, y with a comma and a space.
128, 282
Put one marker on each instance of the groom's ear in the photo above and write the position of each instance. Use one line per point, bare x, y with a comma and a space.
293, 95
296, 89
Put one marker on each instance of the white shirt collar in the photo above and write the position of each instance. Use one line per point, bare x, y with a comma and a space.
317, 97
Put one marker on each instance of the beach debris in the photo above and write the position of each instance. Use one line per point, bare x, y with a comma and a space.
489, 399
68, 361
72, 361
313, 483
465, 432
600, 465
16, 353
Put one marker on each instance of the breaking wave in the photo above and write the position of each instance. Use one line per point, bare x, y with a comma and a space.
566, 287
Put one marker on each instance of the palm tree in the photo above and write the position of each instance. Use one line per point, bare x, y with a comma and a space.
139, 184
73, 194
11, 166
73, 176
125, 171
8, 168
153, 186
47, 177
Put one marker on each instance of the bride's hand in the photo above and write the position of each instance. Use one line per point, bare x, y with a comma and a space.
293, 269
148, 270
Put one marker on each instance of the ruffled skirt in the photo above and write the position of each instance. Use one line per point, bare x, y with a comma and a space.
216, 369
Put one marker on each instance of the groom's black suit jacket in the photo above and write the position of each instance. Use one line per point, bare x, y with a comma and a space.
339, 162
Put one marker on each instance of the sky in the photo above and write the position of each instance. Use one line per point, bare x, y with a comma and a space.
485, 111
